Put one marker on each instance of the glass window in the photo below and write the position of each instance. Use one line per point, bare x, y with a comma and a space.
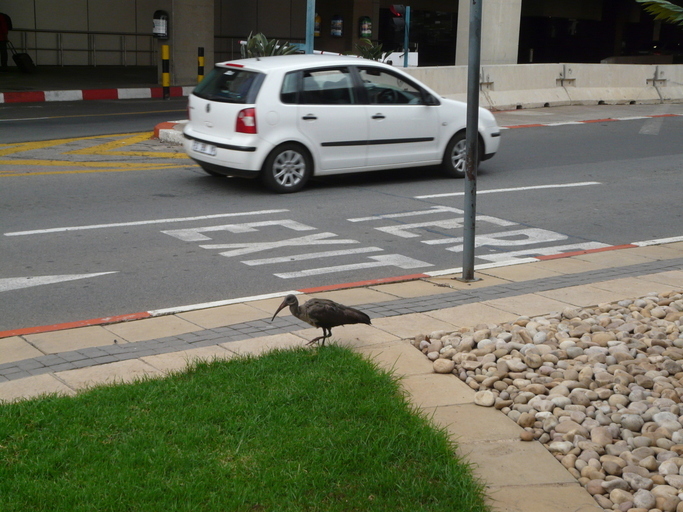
387, 88
327, 87
290, 86
229, 85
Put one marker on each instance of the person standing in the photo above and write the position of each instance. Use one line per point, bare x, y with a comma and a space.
4, 29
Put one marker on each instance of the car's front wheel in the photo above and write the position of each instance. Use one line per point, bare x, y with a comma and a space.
455, 156
287, 169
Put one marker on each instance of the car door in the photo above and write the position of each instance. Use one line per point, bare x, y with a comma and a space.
402, 128
332, 119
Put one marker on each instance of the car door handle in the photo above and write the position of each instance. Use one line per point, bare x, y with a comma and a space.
309, 117
379, 116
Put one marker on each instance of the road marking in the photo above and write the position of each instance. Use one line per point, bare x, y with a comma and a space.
402, 229
16, 283
385, 260
433, 209
514, 189
195, 234
653, 125
659, 241
311, 256
240, 249
121, 168
113, 148
140, 223
541, 251
504, 239
217, 303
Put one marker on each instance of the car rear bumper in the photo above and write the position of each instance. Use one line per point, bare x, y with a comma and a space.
226, 171
229, 159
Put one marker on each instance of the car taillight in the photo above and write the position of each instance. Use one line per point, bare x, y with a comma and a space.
246, 121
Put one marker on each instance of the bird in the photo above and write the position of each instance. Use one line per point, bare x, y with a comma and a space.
323, 313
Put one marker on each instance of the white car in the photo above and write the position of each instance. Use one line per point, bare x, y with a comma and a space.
286, 118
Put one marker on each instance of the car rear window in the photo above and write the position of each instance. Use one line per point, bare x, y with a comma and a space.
230, 85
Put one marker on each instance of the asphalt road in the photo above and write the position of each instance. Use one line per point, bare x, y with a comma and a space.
164, 234
21, 122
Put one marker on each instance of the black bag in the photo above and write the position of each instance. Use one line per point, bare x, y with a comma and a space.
23, 60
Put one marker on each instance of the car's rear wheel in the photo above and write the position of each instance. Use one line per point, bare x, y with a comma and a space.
455, 156
287, 169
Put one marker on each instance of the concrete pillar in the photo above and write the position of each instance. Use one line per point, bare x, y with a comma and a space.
499, 31
191, 26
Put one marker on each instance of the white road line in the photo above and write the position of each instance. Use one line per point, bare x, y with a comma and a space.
432, 209
217, 303
385, 260
16, 283
659, 241
654, 124
514, 189
140, 223
311, 256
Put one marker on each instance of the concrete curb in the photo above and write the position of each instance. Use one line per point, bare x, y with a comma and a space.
92, 94
170, 132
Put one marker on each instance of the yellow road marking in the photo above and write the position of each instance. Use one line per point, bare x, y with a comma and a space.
108, 148
5, 174
29, 146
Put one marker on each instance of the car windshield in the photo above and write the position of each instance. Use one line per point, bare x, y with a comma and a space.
229, 85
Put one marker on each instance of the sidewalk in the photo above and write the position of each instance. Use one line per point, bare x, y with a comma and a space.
68, 361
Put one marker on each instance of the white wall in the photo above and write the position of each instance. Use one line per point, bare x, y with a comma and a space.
505, 87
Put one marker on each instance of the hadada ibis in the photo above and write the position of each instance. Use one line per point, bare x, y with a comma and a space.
323, 313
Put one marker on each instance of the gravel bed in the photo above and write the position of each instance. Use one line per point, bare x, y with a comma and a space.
601, 388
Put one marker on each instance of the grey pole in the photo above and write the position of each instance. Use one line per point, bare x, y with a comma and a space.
310, 25
473, 63
406, 37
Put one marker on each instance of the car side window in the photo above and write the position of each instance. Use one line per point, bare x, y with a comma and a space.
384, 87
290, 86
331, 86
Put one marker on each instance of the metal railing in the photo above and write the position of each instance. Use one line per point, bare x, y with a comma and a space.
62, 47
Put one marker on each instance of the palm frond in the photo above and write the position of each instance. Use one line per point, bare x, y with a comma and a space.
664, 10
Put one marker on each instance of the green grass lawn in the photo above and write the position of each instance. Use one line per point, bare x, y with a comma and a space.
293, 430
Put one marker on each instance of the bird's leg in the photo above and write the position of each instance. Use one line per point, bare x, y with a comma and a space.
326, 334
315, 340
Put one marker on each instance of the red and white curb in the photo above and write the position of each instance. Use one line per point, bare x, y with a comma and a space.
372, 282
587, 121
93, 94
170, 131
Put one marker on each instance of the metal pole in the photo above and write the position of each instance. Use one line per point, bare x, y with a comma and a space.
406, 37
310, 25
472, 140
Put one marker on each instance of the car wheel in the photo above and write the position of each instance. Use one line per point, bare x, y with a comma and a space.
287, 169
454, 158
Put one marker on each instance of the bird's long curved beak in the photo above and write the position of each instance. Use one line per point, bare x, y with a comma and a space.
282, 306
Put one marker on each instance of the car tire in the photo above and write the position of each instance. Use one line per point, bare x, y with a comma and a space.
454, 158
287, 168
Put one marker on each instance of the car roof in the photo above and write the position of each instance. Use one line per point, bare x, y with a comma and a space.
296, 61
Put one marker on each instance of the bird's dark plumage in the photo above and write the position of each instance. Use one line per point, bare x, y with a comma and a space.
323, 313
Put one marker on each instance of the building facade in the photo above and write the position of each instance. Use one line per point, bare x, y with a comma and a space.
101, 32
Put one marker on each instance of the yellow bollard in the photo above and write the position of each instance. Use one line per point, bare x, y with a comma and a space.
165, 71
